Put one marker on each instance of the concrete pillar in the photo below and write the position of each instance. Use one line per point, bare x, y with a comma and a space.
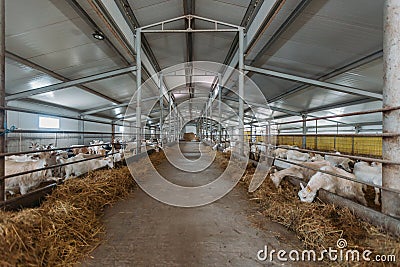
139, 91
304, 140
241, 91
391, 98
2, 95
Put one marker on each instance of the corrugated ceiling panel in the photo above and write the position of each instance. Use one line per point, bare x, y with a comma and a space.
15, 71
29, 83
120, 87
368, 77
156, 11
169, 49
73, 56
216, 10
72, 98
91, 68
20, 21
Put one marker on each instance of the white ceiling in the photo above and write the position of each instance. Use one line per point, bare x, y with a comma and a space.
322, 39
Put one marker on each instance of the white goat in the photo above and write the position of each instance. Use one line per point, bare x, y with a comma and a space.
297, 171
342, 162
333, 184
83, 167
297, 155
25, 182
95, 149
317, 157
280, 153
372, 174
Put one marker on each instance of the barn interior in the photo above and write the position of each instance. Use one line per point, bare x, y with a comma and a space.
173, 90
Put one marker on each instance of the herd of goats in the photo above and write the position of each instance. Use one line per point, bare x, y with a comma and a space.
74, 161
319, 171
77, 160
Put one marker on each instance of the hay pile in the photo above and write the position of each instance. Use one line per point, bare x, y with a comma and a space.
157, 158
317, 225
67, 225
189, 136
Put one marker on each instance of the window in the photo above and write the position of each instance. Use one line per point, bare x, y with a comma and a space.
50, 123
121, 129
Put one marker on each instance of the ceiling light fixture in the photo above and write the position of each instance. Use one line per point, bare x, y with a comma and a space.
98, 35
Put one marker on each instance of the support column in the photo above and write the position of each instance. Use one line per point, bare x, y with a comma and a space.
81, 128
170, 117
219, 108
139, 90
2, 96
112, 136
391, 98
241, 91
211, 121
304, 140
175, 124
160, 77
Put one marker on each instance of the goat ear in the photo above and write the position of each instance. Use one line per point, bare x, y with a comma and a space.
301, 185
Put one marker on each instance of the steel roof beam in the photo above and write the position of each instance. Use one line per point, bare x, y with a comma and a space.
188, 7
327, 85
93, 111
292, 113
246, 21
332, 106
289, 113
289, 20
133, 23
71, 83
56, 75
89, 21
348, 67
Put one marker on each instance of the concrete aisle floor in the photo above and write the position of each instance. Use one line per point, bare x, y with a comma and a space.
144, 232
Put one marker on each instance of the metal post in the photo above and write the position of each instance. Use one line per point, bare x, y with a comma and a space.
206, 122
161, 108
112, 136
211, 122
251, 134
81, 128
241, 91
169, 117
391, 98
304, 141
219, 107
2, 96
316, 133
139, 91
175, 123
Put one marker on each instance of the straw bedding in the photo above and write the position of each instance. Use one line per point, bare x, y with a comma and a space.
67, 226
318, 225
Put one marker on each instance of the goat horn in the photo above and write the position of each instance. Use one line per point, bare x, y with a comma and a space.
301, 185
